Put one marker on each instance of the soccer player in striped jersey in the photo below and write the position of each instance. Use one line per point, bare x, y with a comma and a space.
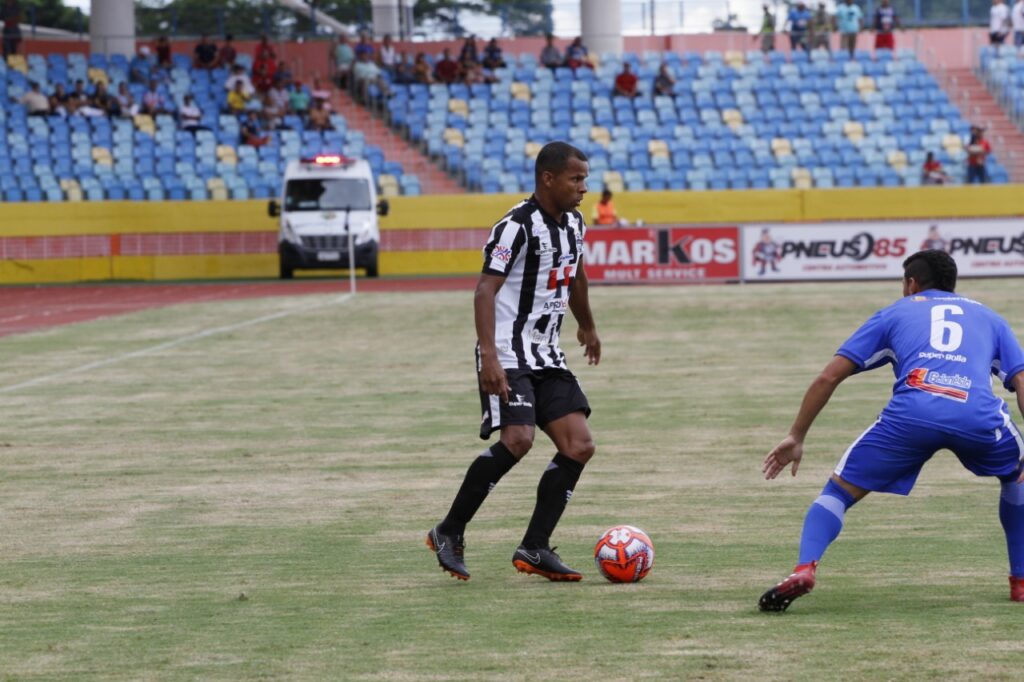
533, 273
944, 348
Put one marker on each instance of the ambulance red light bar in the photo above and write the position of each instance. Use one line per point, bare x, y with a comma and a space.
328, 160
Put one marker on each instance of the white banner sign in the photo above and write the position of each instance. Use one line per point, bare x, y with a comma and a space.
876, 250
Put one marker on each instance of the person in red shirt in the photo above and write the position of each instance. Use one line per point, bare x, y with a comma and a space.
447, 70
264, 65
625, 83
932, 173
978, 150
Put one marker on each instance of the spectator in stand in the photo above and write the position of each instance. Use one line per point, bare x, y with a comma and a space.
476, 74
238, 99
273, 111
238, 75
105, 102
978, 150
364, 46
421, 70
799, 24
468, 54
343, 57
163, 53
821, 29
493, 57
366, 73
625, 83
264, 65
576, 55
190, 115
447, 70
283, 73
319, 92
204, 56
78, 97
152, 101
550, 56
404, 73
932, 172
227, 54
767, 31
998, 22
59, 100
278, 97
250, 132
319, 118
1017, 23
12, 27
387, 57
604, 211
35, 101
125, 100
886, 21
664, 83
298, 99
849, 19
138, 69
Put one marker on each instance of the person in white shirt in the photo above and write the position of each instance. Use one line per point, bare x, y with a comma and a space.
189, 115
387, 58
238, 73
35, 101
999, 22
1017, 22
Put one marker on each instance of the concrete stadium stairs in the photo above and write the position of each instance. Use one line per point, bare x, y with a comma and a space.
433, 180
978, 105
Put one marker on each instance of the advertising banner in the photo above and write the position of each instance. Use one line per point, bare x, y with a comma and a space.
662, 254
876, 250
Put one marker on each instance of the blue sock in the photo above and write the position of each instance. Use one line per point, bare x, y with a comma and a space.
1011, 514
823, 522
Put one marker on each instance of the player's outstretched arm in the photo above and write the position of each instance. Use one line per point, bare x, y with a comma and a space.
579, 304
492, 375
791, 449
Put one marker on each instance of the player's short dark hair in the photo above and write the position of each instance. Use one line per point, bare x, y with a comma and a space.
554, 157
931, 269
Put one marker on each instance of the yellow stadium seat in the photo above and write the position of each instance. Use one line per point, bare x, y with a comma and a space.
532, 149
601, 135
734, 58
613, 181
73, 194
215, 183
898, 159
521, 91
454, 136
227, 153
458, 106
17, 62
68, 184
657, 148
865, 84
388, 185
802, 178
96, 75
101, 155
951, 142
854, 130
732, 118
144, 122
782, 147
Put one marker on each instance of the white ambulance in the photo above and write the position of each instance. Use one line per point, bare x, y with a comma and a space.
326, 200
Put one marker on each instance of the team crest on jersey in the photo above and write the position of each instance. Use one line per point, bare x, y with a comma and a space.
502, 253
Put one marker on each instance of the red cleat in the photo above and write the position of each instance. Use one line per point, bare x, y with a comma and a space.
799, 583
1016, 589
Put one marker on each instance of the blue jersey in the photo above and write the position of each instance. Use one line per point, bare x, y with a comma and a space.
943, 348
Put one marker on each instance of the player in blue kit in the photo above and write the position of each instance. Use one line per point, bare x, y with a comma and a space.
944, 349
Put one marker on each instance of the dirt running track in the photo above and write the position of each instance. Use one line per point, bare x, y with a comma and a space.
25, 309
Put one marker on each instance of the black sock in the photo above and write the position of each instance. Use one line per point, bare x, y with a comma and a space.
481, 477
553, 493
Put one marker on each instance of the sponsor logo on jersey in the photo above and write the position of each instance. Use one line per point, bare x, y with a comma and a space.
951, 386
502, 253
950, 357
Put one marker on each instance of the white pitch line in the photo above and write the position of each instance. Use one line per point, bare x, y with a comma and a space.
171, 344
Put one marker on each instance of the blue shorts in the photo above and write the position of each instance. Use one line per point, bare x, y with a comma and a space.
888, 456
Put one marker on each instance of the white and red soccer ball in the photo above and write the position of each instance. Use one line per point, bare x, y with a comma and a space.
624, 554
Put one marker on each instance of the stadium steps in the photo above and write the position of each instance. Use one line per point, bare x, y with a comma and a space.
433, 180
978, 105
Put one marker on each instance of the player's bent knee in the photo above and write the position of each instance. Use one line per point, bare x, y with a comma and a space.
581, 451
518, 441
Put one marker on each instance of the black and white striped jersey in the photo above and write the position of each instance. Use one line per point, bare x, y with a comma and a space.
538, 258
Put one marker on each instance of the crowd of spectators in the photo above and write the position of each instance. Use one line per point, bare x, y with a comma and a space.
810, 30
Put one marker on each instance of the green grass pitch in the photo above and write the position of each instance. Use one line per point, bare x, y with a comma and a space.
252, 505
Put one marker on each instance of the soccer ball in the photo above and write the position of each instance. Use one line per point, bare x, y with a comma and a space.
624, 554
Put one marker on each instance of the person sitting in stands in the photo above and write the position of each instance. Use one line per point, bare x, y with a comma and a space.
932, 172
577, 55
625, 83
126, 101
237, 99
59, 100
298, 99
205, 54
447, 70
35, 101
664, 83
319, 118
190, 115
493, 58
421, 70
227, 54
550, 56
468, 54
250, 131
